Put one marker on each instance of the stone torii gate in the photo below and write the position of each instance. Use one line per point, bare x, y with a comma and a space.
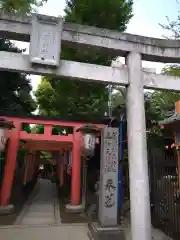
46, 34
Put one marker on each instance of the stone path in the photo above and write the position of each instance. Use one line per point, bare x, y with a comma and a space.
40, 219
43, 206
61, 232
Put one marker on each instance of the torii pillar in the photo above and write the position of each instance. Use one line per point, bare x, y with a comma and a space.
76, 205
137, 151
10, 166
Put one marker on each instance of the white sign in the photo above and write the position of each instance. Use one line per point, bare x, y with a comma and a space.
45, 42
109, 177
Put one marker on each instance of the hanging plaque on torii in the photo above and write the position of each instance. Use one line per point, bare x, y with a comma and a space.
45, 40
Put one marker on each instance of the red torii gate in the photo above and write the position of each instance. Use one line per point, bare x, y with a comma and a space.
45, 141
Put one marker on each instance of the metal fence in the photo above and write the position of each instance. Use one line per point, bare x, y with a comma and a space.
165, 193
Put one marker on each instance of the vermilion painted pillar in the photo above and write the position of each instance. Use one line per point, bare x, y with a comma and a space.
76, 169
10, 166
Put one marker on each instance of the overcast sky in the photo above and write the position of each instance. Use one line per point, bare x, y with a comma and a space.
148, 14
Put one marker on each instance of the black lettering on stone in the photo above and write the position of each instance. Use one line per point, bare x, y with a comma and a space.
110, 190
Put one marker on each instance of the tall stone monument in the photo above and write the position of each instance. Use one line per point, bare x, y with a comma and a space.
107, 224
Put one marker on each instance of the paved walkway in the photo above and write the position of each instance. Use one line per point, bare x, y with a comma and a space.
61, 232
43, 206
40, 219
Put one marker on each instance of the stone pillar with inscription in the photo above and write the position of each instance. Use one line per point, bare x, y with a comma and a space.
107, 225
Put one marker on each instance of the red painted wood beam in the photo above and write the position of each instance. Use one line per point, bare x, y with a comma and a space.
43, 148
45, 122
46, 138
49, 146
49, 122
44, 144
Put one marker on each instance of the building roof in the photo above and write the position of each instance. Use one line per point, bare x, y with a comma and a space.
174, 118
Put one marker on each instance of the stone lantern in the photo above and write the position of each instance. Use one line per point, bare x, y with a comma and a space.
4, 126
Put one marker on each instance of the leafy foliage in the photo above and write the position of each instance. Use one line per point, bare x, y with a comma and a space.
163, 101
166, 100
119, 107
15, 87
110, 14
83, 99
173, 27
172, 70
20, 7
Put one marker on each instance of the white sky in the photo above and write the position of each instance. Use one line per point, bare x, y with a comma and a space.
147, 16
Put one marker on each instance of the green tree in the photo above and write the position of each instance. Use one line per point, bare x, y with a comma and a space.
80, 99
119, 107
15, 88
163, 101
20, 7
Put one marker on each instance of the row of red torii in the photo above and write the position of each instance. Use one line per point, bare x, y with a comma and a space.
42, 142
